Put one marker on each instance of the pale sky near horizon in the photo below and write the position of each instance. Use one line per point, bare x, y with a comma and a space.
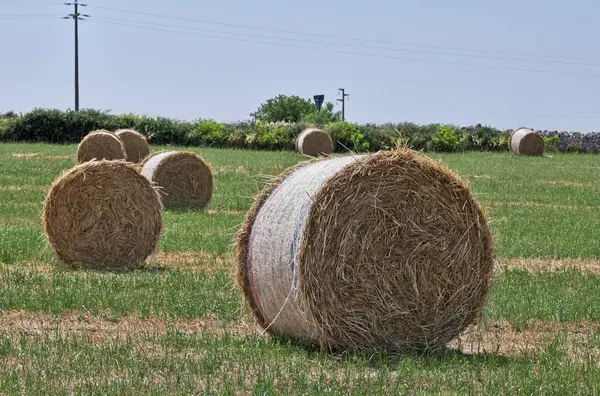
399, 61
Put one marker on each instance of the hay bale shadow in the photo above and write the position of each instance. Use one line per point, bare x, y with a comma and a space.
378, 358
156, 269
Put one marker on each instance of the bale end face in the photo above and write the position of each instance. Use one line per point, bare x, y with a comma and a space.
314, 142
102, 214
389, 251
184, 179
100, 145
136, 145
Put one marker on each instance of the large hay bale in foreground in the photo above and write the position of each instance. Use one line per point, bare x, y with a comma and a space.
525, 141
103, 214
100, 144
136, 145
388, 251
314, 142
183, 178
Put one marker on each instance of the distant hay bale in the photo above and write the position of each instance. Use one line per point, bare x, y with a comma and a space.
100, 144
314, 142
103, 214
183, 178
388, 250
136, 145
525, 141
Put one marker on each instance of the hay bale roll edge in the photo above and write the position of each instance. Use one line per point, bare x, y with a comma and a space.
103, 214
184, 178
100, 144
314, 142
136, 145
387, 250
525, 141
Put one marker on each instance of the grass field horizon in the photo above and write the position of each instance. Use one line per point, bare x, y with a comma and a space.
177, 325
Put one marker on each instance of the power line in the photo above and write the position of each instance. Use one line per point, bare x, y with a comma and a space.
9, 3
328, 50
348, 45
345, 38
16, 16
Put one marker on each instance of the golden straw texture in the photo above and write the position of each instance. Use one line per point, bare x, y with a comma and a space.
314, 142
184, 179
103, 214
136, 145
99, 145
390, 251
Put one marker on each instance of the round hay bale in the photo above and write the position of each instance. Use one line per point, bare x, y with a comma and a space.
100, 144
103, 214
183, 178
525, 141
136, 145
388, 250
314, 142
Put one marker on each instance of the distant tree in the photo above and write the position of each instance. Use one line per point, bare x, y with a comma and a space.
284, 108
325, 116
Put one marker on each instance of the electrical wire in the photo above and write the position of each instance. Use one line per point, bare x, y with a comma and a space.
433, 61
347, 45
343, 37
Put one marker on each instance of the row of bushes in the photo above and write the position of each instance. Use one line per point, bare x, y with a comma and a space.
55, 126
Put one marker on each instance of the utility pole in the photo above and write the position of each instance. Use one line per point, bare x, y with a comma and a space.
343, 100
76, 16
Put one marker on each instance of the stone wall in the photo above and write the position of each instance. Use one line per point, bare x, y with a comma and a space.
576, 141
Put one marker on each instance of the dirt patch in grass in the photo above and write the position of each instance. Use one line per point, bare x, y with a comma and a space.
226, 212
42, 156
537, 204
537, 265
468, 177
230, 168
567, 183
31, 204
19, 221
106, 327
504, 339
28, 267
194, 261
25, 187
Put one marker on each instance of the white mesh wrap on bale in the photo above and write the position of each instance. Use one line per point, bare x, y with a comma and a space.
314, 142
150, 166
388, 250
525, 141
276, 234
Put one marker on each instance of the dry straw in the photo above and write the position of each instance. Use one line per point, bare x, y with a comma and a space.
136, 145
388, 250
100, 144
183, 178
314, 142
103, 214
524, 141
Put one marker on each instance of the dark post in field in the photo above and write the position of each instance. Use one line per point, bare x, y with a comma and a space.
343, 100
76, 18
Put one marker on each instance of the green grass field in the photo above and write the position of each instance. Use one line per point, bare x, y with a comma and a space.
177, 325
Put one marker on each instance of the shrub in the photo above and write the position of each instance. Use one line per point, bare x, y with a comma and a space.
551, 143
271, 135
207, 132
346, 136
445, 139
55, 126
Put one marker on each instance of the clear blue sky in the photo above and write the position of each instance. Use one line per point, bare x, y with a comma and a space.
420, 77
